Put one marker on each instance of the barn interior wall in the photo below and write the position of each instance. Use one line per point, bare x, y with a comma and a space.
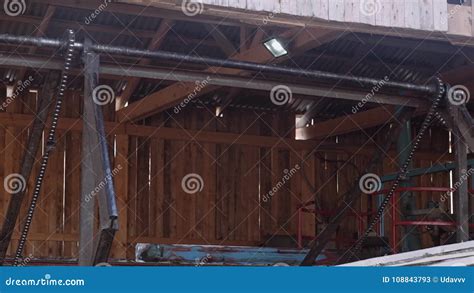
234, 206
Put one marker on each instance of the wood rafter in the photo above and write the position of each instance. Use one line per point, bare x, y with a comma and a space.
174, 94
347, 124
244, 35
40, 31
222, 41
155, 43
259, 35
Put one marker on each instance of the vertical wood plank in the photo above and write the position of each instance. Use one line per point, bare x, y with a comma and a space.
28, 106
132, 197
307, 192
472, 19
238, 3
426, 15
352, 11
336, 10
383, 15
143, 187
73, 175
397, 15
459, 20
368, 9
287, 6
249, 178
121, 190
440, 15
269, 5
14, 149
157, 198
320, 9
412, 14
304, 7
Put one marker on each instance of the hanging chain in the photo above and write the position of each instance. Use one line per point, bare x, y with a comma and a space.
50, 144
432, 113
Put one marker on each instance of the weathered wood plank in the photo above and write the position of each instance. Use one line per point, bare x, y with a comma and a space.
121, 180
397, 15
336, 10
426, 14
440, 15
132, 196
320, 9
412, 14
383, 10
368, 11
238, 3
304, 7
352, 10
459, 20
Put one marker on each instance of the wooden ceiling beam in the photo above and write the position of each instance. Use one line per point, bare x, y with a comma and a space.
176, 93
244, 38
75, 124
155, 43
346, 124
257, 38
222, 41
113, 128
39, 32
227, 100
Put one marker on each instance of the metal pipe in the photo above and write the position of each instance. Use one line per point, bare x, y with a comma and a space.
209, 61
244, 65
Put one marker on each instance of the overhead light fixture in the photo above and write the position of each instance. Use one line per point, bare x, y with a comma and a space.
276, 46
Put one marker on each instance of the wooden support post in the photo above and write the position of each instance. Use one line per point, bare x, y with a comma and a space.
461, 196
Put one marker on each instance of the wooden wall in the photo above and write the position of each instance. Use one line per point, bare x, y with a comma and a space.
425, 15
154, 208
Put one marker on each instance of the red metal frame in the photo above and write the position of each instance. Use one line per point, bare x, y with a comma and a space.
306, 208
394, 219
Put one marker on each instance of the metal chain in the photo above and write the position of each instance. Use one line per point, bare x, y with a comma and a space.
50, 144
441, 119
432, 112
